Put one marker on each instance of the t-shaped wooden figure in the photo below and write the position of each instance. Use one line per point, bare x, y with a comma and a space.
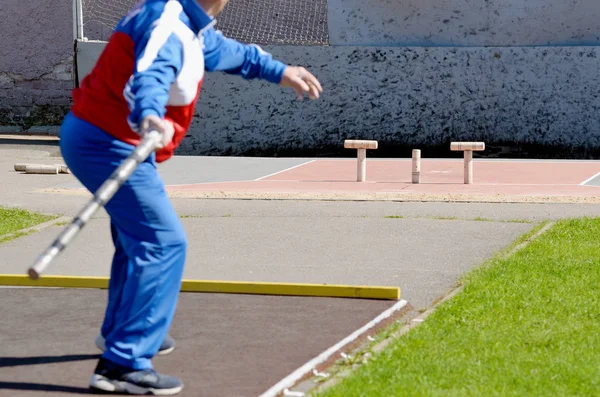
468, 148
361, 147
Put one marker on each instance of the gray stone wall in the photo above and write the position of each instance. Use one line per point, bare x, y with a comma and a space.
464, 22
36, 62
510, 97
521, 75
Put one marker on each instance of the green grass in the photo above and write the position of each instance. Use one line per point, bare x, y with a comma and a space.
481, 219
526, 325
13, 236
13, 220
454, 218
444, 218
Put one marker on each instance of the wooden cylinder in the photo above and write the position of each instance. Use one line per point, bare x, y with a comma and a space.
460, 146
416, 166
359, 144
42, 169
63, 169
362, 165
21, 166
468, 167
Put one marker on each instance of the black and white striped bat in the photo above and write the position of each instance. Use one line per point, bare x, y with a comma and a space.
108, 189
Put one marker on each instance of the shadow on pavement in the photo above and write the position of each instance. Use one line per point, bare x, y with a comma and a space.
18, 361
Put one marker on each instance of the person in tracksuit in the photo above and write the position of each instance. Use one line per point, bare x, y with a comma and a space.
149, 78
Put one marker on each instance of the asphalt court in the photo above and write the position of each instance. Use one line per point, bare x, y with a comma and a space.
189, 170
495, 180
240, 345
227, 345
423, 257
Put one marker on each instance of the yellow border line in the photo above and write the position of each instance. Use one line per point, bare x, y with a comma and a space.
223, 287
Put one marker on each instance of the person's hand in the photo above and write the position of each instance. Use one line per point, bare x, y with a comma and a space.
301, 81
155, 123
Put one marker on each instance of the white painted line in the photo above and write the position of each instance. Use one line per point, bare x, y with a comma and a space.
295, 376
527, 184
590, 179
540, 161
289, 393
206, 183
461, 160
482, 184
287, 169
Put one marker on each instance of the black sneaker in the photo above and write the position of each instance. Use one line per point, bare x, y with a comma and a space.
110, 377
166, 347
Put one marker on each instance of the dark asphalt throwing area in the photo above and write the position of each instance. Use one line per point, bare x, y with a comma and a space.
227, 345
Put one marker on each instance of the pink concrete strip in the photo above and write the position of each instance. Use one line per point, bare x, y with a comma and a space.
513, 180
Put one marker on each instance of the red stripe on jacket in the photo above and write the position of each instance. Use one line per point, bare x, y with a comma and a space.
99, 100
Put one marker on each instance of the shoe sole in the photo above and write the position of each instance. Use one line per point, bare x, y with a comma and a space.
102, 347
166, 351
103, 384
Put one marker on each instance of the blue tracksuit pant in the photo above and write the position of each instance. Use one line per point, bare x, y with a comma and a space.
150, 244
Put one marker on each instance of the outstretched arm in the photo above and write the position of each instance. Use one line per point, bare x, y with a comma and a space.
301, 81
250, 62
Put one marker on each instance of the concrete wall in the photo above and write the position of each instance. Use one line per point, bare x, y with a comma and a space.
543, 99
521, 75
36, 53
464, 22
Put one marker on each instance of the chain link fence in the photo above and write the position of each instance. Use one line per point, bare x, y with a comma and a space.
279, 22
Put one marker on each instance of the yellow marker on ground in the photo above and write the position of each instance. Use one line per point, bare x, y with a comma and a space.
222, 287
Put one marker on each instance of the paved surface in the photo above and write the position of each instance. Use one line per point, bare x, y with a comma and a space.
441, 180
549, 181
206, 170
244, 344
25, 190
423, 257
227, 345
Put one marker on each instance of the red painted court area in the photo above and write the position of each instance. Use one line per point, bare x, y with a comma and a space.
518, 178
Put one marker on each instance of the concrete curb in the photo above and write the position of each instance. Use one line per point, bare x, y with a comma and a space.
42, 130
342, 196
288, 381
29, 137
